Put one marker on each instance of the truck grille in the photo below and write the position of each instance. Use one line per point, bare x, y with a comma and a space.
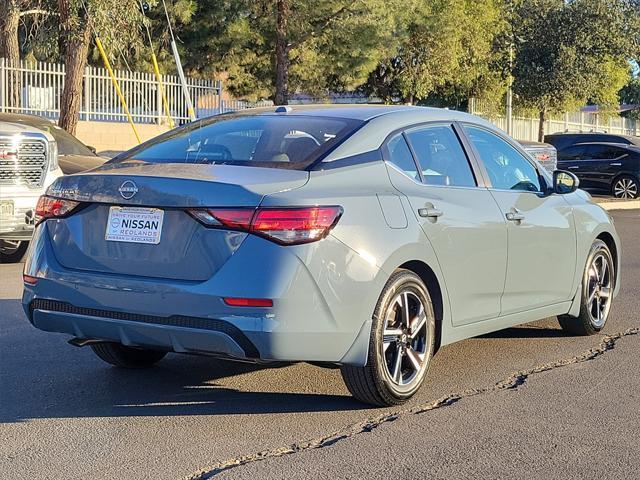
26, 166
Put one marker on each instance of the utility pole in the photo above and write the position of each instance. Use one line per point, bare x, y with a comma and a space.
510, 76
510, 92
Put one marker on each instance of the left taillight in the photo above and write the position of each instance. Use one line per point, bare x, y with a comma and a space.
287, 226
50, 207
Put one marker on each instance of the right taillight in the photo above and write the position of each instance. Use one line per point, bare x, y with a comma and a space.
287, 226
50, 207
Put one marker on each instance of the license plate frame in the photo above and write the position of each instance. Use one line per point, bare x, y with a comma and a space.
7, 209
141, 225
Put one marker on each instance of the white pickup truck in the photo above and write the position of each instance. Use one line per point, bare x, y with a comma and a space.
33, 153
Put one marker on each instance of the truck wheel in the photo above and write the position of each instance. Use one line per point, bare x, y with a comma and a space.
402, 343
598, 281
127, 357
12, 251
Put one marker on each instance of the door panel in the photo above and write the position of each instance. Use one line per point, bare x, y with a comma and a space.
470, 241
541, 231
542, 250
462, 221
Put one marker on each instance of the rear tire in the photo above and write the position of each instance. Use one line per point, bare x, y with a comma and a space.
127, 357
401, 345
625, 186
596, 290
12, 252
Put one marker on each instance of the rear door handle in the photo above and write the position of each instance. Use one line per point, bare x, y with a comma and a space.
514, 215
573, 168
616, 164
429, 211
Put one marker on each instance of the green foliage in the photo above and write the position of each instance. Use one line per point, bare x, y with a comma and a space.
570, 53
444, 53
630, 95
333, 45
566, 52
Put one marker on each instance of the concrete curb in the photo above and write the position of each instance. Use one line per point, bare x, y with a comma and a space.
618, 204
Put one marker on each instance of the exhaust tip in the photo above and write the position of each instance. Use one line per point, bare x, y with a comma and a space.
83, 342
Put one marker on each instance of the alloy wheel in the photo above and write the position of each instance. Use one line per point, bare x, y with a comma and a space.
405, 338
625, 188
599, 289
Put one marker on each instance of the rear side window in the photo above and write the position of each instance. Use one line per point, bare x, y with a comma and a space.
571, 153
400, 155
279, 141
601, 152
441, 157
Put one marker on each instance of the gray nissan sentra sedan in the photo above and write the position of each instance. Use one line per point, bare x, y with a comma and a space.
359, 237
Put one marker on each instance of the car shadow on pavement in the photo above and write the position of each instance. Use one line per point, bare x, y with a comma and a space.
41, 376
525, 331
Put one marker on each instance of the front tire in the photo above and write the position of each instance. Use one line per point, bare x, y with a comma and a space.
12, 251
625, 186
401, 346
127, 357
598, 282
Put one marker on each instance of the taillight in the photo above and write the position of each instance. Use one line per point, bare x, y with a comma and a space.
288, 226
248, 302
49, 207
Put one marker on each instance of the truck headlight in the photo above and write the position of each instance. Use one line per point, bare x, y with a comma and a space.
53, 156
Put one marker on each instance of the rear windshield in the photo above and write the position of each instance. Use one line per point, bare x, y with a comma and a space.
277, 141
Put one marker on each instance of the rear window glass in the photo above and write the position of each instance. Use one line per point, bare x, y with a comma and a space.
277, 141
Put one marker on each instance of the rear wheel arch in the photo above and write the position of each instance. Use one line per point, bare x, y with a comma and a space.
428, 276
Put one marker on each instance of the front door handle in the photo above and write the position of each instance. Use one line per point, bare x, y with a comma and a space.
429, 211
573, 168
514, 216
616, 164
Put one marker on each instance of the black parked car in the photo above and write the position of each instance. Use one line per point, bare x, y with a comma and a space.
605, 166
564, 140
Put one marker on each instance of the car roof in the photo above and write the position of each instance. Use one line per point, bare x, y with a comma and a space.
362, 112
607, 144
619, 135
529, 143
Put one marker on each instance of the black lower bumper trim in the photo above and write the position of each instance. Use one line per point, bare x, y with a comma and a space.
196, 323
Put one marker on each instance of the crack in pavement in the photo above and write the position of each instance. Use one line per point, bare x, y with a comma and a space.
514, 381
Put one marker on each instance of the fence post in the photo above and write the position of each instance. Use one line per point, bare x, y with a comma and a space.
219, 93
158, 101
3, 83
566, 121
87, 92
581, 121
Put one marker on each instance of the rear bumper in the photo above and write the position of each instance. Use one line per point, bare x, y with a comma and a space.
314, 317
177, 333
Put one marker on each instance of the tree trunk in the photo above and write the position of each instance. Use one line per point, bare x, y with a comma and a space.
10, 49
76, 42
543, 118
282, 53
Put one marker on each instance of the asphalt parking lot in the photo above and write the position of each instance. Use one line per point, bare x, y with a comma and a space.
526, 402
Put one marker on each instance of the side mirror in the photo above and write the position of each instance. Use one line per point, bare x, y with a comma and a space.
93, 149
564, 182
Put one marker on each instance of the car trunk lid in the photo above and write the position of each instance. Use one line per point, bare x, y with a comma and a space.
186, 250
